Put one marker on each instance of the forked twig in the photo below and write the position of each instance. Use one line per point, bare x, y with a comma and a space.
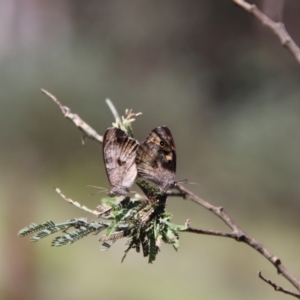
86, 129
277, 27
77, 204
236, 232
276, 287
239, 235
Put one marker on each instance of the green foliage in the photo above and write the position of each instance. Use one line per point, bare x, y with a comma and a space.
144, 222
82, 228
125, 122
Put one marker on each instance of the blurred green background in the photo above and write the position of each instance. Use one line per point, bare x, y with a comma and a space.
215, 76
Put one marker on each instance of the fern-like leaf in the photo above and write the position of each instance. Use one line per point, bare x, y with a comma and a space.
153, 249
77, 234
144, 222
112, 237
32, 228
145, 247
106, 245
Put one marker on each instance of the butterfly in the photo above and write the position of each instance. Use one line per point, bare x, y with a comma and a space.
119, 154
125, 159
156, 158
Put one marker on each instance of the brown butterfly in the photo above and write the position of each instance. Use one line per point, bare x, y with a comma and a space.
125, 158
156, 158
119, 153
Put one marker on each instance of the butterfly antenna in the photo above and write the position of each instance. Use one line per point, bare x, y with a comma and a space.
101, 189
186, 182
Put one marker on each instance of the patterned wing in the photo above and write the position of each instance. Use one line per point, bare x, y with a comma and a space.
119, 153
156, 158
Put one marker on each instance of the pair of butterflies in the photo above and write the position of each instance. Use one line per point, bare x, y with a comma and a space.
125, 159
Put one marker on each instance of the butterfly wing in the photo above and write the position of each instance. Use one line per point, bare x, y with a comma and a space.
156, 158
119, 153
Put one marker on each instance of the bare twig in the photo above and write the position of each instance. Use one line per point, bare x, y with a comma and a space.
276, 287
210, 232
87, 130
237, 233
69, 200
114, 112
218, 211
277, 27
207, 231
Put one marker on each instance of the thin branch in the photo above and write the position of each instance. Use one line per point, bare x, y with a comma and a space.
211, 232
218, 211
207, 231
237, 233
277, 27
69, 200
276, 287
87, 130
114, 111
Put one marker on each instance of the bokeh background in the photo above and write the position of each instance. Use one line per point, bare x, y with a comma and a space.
209, 71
